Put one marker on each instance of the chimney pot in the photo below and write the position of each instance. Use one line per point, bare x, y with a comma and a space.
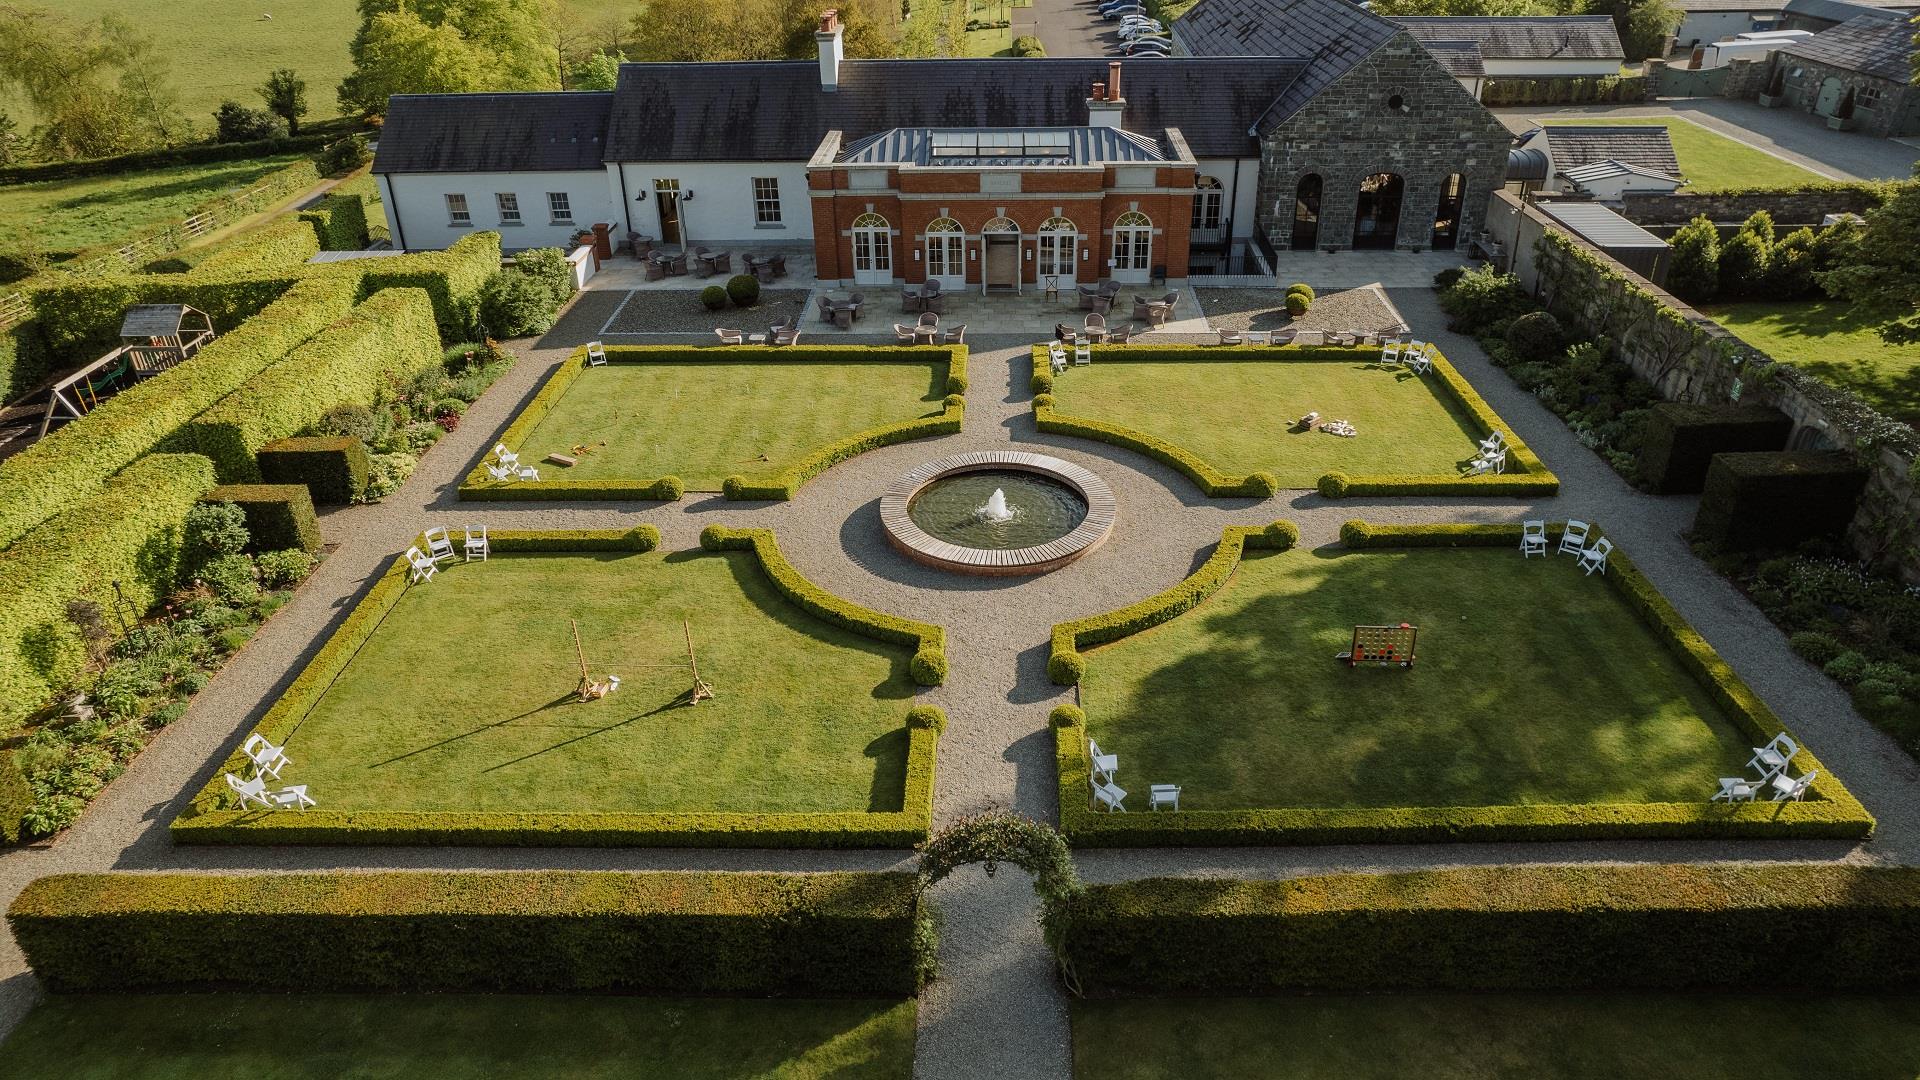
829, 20
1099, 92
830, 40
1113, 81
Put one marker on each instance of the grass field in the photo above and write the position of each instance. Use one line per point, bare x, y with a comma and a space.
457, 1037
1711, 161
66, 215
1639, 1036
1534, 684
1830, 339
704, 422
1237, 415
462, 700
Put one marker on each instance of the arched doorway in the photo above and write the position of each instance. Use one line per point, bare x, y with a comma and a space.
1059, 241
946, 253
1446, 219
1000, 261
1209, 208
1831, 91
1376, 214
1132, 247
872, 250
1306, 213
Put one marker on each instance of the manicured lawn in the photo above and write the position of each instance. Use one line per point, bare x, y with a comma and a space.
1237, 415
705, 422
457, 1037
71, 214
462, 698
1830, 339
1711, 161
1534, 684
1639, 1036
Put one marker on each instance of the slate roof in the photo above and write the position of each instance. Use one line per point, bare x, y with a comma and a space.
1648, 146
1527, 37
1457, 58
1601, 226
977, 147
776, 110
1330, 35
1601, 170
527, 132
1877, 44
1839, 11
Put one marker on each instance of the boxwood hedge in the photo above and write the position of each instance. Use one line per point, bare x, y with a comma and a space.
549, 931
1668, 926
276, 246
206, 822
482, 487
340, 221
279, 516
1830, 811
333, 468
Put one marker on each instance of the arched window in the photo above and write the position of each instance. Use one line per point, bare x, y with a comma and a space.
1058, 241
946, 251
1132, 245
872, 250
1208, 199
1376, 214
999, 226
1306, 213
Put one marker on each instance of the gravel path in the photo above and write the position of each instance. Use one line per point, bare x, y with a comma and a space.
1359, 309
679, 311
996, 1010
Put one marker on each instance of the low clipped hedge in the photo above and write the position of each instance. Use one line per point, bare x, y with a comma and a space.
1065, 665
206, 822
479, 486
1762, 501
386, 340
1681, 439
274, 246
339, 220
279, 516
64, 468
546, 931
1829, 812
129, 532
333, 468
1666, 926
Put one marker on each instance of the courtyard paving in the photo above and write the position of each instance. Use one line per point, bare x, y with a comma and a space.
995, 1010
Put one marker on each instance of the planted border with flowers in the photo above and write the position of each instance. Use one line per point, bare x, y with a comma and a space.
1829, 812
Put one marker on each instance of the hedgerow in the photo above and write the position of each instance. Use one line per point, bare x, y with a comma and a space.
275, 246
752, 934
340, 221
279, 516
333, 468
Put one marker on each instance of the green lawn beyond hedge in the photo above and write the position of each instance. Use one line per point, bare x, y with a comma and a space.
1534, 684
67, 215
1709, 160
1639, 1036
1237, 415
462, 698
1832, 340
457, 1037
705, 422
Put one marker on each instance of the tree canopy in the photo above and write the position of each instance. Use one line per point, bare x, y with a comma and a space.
1880, 269
97, 88
448, 47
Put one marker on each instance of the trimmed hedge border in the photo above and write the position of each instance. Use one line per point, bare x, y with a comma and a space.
1670, 926
1529, 475
204, 822
698, 932
279, 516
1830, 813
478, 486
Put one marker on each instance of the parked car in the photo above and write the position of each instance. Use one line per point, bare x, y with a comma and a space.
1122, 10
1139, 30
1143, 46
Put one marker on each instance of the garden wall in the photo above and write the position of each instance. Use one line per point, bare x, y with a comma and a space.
1790, 206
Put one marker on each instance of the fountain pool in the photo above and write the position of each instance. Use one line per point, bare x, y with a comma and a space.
997, 513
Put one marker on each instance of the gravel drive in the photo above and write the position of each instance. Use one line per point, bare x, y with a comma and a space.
679, 311
996, 1010
1263, 309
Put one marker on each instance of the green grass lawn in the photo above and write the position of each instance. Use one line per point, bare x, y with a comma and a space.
462, 698
1830, 339
1534, 684
1712, 161
1237, 414
1638, 1036
707, 421
66, 215
457, 1037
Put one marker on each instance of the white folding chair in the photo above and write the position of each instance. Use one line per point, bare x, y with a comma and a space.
267, 758
477, 543
293, 796
527, 472
1109, 797
1390, 353
596, 354
1494, 442
505, 456
1420, 362
1104, 765
439, 545
423, 567
1736, 789
1058, 354
500, 472
1774, 756
1533, 538
1495, 462
1574, 540
1167, 795
1784, 789
1595, 557
1082, 352
254, 790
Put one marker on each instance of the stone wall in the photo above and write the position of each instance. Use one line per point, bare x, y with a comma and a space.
1350, 130
1745, 79
1787, 207
1803, 94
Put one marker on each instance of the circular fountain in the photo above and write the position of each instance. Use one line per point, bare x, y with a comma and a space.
997, 513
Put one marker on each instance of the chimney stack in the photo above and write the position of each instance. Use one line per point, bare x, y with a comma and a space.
1113, 81
829, 39
1105, 106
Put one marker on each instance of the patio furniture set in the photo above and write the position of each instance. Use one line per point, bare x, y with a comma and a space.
424, 564
927, 332
1111, 797
926, 298
704, 264
786, 333
1590, 556
506, 465
1771, 762
841, 313
1094, 328
268, 760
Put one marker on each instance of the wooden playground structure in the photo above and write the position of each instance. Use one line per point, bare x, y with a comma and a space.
154, 337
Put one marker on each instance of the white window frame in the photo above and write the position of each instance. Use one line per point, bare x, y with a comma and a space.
559, 212
458, 213
947, 252
1058, 250
766, 204
872, 250
508, 203
1209, 199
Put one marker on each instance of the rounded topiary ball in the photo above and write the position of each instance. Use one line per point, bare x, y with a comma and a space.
1280, 536
733, 486
1041, 383
1297, 304
929, 667
1536, 336
956, 399
1261, 484
714, 537
956, 383
1333, 485
643, 537
1303, 289
1066, 716
745, 289
1355, 533
931, 717
1065, 668
1043, 401
713, 297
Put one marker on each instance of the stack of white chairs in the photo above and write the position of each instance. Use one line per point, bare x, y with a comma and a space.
291, 797
1770, 762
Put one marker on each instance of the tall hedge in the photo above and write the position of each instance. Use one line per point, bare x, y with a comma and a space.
1503, 928
1681, 440
80, 318
279, 516
67, 466
127, 533
385, 340
340, 220
452, 279
24, 359
277, 245
753, 934
1777, 500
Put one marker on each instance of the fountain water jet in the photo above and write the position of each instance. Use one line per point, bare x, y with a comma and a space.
996, 508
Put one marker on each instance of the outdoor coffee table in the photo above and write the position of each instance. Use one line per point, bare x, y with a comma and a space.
757, 339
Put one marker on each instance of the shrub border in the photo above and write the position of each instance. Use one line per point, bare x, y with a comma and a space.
1831, 813
480, 487
1530, 477
204, 823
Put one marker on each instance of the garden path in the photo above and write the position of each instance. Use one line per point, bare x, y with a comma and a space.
995, 1011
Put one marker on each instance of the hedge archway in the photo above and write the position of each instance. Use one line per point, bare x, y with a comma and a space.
1001, 836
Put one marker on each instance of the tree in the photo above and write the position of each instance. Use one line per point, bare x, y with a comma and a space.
1880, 270
1694, 273
1790, 270
97, 88
10, 141
447, 47
143, 80
1644, 26
286, 96
1746, 258
234, 122
596, 72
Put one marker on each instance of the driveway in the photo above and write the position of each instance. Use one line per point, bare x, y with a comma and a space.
1066, 27
1797, 137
